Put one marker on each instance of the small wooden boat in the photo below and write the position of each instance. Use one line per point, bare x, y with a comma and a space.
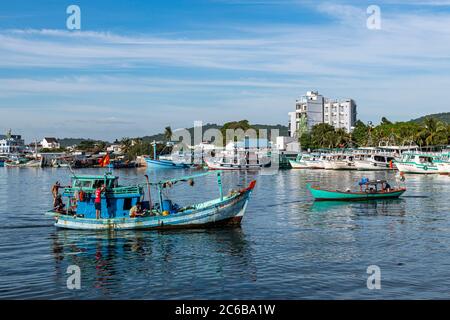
370, 193
118, 200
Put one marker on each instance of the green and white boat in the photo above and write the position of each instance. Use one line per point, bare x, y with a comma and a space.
371, 193
416, 162
443, 163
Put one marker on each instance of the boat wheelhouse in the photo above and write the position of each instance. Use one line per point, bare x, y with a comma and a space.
339, 161
376, 162
116, 202
415, 162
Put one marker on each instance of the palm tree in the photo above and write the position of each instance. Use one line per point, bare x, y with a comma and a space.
342, 137
168, 133
434, 132
126, 144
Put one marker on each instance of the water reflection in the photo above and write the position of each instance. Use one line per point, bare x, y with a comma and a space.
109, 259
389, 207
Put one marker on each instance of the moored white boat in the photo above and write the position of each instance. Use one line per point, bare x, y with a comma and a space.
375, 162
339, 162
414, 162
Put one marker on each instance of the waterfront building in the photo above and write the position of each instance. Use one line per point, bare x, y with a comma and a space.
313, 108
309, 106
340, 114
11, 143
290, 144
50, 143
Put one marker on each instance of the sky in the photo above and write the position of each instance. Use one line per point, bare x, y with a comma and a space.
136, 67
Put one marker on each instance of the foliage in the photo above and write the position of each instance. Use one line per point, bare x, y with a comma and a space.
55, 150
428, 133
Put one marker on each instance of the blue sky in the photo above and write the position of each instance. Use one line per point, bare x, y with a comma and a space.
138, 66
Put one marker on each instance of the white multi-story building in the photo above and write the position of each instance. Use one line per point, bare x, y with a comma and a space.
316, 109
309, 106
11, 143
340, 114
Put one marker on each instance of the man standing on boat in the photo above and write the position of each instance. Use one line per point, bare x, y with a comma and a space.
55, 191
98, 201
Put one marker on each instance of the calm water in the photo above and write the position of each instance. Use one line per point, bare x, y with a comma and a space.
287, 247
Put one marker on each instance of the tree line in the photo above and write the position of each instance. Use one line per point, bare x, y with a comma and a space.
430, 132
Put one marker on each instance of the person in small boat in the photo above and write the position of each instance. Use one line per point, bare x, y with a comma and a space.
387, 187
58, 204
363, 182
98, 200
136, 210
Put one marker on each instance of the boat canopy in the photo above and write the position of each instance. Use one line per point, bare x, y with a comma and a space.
94, 181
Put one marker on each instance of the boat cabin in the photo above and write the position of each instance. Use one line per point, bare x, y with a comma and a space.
116, 200
418, 158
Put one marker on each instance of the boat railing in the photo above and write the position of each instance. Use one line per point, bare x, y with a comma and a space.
115, 191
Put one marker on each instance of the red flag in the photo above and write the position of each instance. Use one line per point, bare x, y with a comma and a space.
104, 161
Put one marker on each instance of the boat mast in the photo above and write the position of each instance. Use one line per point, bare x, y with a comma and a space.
219, 182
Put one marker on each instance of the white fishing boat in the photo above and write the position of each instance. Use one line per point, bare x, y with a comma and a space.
376, 162
237, 164
415, 162
249, 154
308, 161
443, 163
299, 162
339, 161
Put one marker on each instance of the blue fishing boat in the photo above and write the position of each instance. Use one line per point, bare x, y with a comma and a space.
119, 202
165, 162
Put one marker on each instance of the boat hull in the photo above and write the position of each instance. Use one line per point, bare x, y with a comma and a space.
416, 168
339, 165
165, 164
328, 195
371, 166
298, 164
234, 166
315, 164
227, 212
443, 167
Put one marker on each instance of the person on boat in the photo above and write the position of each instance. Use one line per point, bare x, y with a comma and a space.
98, 200
363, 182
58, 204
55, 191
136, 210
387, 187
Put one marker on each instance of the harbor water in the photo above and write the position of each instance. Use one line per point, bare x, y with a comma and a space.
288, 247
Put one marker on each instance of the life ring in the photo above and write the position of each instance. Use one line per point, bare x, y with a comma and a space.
425, 168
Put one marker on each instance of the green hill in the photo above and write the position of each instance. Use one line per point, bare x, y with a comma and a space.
444, 117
